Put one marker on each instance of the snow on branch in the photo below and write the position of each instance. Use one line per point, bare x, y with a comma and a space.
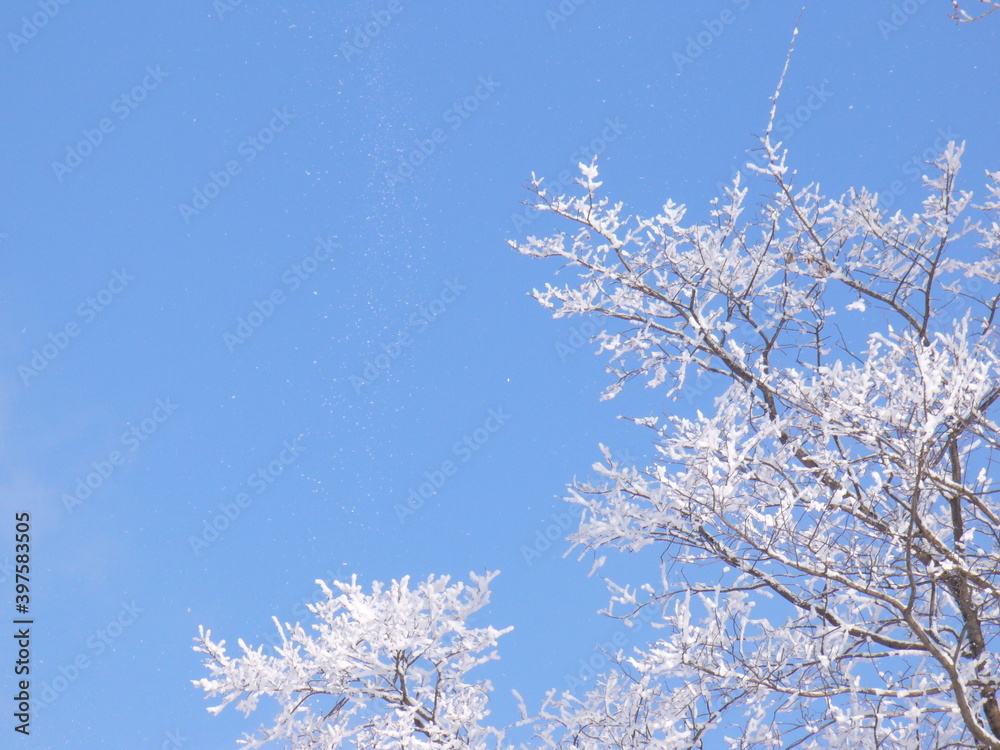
828, 524
385, 669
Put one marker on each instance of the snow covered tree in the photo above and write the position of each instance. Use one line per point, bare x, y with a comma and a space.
829, 530
829, 533
383, 670
827, 525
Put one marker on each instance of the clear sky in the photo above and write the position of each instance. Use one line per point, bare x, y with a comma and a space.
253, 260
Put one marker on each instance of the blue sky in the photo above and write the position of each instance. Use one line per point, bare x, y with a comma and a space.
254, 259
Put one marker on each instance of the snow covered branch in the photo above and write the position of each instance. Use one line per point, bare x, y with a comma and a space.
386, 669
829, 531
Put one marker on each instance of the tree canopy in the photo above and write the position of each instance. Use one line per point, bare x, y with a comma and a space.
827, 524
